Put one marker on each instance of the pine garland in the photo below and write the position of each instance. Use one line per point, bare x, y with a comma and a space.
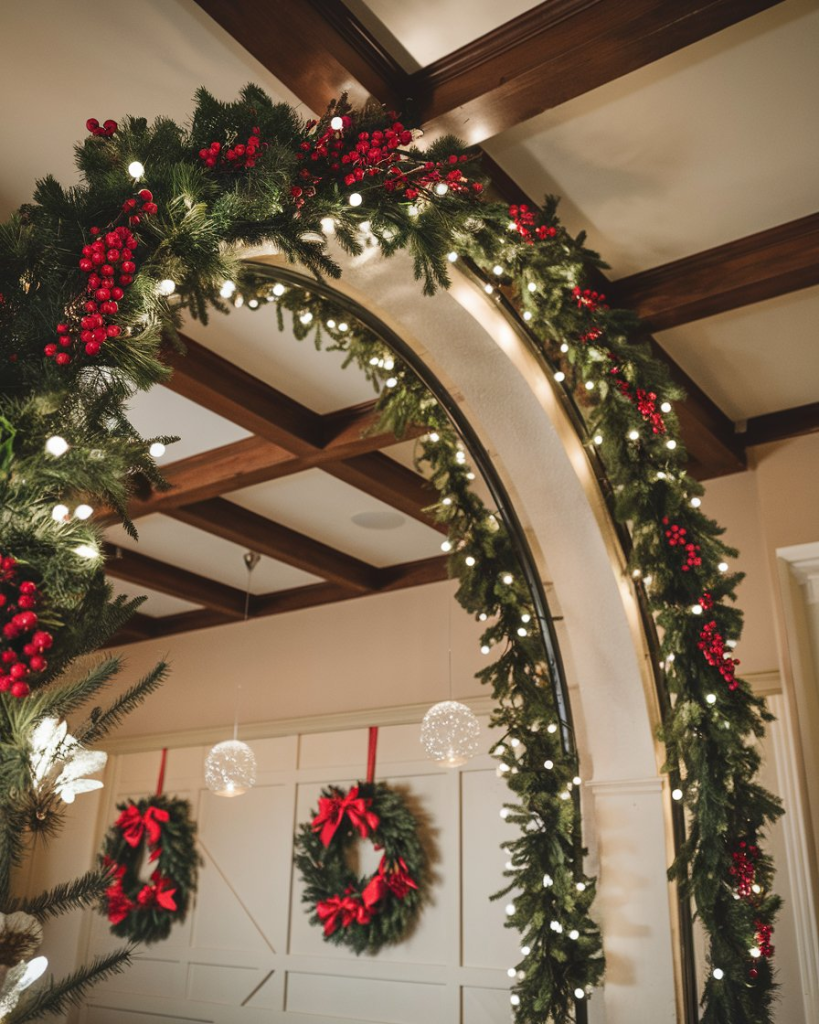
202, 208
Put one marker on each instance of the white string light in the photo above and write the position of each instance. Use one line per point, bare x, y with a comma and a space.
355, 199
157, 450
83, 511
168, 287
135, 169
336, 123
60, 513
56, 446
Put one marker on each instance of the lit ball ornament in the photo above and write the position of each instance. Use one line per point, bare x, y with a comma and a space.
449, 733
230, 768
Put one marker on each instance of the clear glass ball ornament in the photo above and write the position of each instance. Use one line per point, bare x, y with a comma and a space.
449, 733
230, 768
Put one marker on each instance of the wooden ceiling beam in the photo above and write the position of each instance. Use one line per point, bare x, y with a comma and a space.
390, 482
139, 627
778, 426
170, 579
319, 50
240, 526
762, 266
554, 53
392, 578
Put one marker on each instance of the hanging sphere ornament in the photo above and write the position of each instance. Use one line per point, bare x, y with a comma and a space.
230, 768
449, 733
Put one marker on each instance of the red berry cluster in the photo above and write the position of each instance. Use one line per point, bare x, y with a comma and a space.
591, 335
105, 131
712, 645
236, 157
148, 207
524, 220
645, 401
373, 154
743, 869
22, 646
100, 261
677, 536
588, 299
763, 939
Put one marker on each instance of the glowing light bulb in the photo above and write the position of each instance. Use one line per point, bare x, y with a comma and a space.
522, 631
527, 316
754, 952
634, 435
696, 609
574, 934
507, 578
484, 649
696, 502
577, 780
526, 617
718, 973
525, 950
564, 347
676, 794
514, 1000
504, 813
488, 288
579, 993
470, 561
671, 445
86, 551
548, 881
452, 257
441, 188
551, 727
711, 698
723, 567
590, 385
391, 382
228, 288
168, 287
60, 513
497, 270
556, 926
336, 123
135, 169
665, 407
83, 511
254, 303
434, 436
56, 446
446, 546
355, 199
328, 225
157, 450
532, 286
279, 290
482, 617
598, 438
511, 973
560, 376
548, 764
306, 317
564, 795
510, 909
581, 886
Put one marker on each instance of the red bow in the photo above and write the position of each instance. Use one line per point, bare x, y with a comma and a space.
159, 893
342, 910
396, 880
333, 808
107, 130
119, 905
133, 824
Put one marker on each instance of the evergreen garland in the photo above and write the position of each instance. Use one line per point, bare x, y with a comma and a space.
203, 207
364, 913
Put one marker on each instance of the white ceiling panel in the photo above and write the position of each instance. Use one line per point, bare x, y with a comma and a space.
252, 340
754, 360
188, 548
172, 49
710, 144
323, 507
160, 411
157, 604
427, 30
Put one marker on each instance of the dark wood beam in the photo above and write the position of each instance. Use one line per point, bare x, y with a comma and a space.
139, 627
238, 525
319, 50
761, 266
556, 52
396, 577
207, 379
388, 481
170, 579
777, 426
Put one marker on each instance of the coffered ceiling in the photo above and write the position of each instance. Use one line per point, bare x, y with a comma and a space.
682, 137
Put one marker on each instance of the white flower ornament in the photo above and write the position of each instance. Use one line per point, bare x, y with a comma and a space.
61, 762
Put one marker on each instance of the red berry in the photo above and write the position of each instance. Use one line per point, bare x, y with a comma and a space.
92, 348
37, 663
86, 265
42, 640
62, 359
62, 328
125, 279
112, 331
18, 671
64, 340
117, 293
5, 683
50, 350
112, 255
19, 689
145, 194
102, 295
8, 657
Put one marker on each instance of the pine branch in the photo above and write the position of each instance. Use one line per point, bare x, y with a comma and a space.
82, 892
69, 991
98, 725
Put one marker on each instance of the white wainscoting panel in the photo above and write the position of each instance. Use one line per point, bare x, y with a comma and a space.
247, 952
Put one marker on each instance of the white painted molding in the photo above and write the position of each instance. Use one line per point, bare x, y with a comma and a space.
402, 714
615, 787
764, 684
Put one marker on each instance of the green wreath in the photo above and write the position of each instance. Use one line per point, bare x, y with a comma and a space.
162, 828
362, 912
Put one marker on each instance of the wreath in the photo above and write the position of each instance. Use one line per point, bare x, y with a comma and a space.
364, 913
160, 828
